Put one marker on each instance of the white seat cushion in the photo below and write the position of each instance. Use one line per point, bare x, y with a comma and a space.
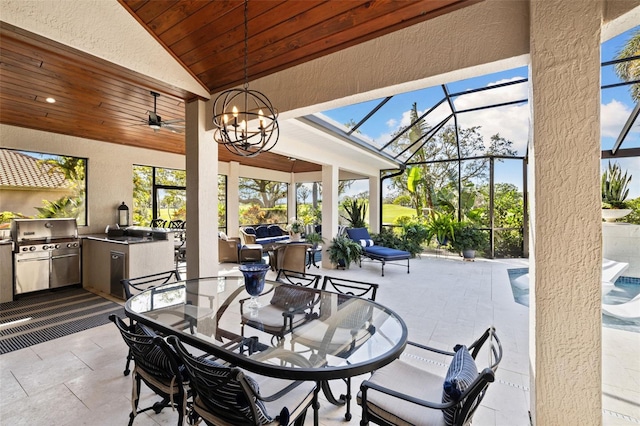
410, 380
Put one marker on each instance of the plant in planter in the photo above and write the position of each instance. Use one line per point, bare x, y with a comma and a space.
356, 212
441, 226
295, 227
614, 193
314, 239
467, 239
343, 250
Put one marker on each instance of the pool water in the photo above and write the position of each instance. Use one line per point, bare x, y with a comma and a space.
626, 288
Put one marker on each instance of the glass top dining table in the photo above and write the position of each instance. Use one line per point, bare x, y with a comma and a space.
323, 336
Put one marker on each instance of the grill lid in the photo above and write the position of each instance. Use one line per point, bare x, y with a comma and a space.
25, 230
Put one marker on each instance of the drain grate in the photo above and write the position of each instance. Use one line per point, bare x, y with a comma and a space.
41, 318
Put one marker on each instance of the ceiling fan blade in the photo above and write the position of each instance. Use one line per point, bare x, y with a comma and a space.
174, 121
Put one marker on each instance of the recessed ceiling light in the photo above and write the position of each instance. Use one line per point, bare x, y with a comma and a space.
51, 100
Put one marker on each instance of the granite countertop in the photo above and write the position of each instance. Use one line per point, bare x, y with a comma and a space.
120, 240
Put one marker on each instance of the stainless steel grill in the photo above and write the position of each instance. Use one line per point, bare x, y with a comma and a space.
47, 254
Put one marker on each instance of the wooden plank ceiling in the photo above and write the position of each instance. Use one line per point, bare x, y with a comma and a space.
99, 100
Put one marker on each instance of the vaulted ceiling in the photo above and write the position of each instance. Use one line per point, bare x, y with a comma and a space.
99, 100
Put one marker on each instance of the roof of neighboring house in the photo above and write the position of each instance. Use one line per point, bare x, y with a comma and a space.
18, 169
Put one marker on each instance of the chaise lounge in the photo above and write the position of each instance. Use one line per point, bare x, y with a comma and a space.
374, 252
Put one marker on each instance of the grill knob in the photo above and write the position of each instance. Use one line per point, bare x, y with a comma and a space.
45, 247
70, 245
57, 246
32, 248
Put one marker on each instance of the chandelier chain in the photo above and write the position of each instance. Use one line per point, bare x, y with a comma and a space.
246, 44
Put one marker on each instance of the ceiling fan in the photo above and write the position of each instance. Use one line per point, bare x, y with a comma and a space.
155, 121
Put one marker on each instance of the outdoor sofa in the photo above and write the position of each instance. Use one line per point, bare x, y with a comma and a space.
262, 234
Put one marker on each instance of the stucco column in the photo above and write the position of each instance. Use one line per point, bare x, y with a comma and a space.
374, 204
291, 197
202, 194
329, 209
233, 195
565, 265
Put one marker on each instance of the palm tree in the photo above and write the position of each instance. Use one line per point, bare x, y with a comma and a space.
630, 70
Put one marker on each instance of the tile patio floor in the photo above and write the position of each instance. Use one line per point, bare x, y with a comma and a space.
77, 379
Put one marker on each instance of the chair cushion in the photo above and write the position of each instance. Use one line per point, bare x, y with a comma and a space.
386, 253
462, 372
249, 230
357, 234
410, 380
274, 231
262, 231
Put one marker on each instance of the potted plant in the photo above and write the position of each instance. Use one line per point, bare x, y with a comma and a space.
467, 239
314, 239
343, 250
441, 226
356, 212
295, 227
614, 193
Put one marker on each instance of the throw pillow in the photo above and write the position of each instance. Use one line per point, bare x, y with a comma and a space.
366, 243
462, 372
223, 236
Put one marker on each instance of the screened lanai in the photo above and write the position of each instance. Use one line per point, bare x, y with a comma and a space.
462, 147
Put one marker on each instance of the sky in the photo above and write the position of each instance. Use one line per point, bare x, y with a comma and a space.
511, 122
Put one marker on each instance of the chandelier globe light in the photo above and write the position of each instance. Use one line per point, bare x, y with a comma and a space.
245, 121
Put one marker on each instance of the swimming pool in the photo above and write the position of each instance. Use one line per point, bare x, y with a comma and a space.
625, 289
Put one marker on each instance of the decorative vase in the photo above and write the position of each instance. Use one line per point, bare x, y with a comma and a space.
610, 215
254, 274
295, 236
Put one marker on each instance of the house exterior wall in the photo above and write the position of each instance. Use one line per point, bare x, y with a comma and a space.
25, 201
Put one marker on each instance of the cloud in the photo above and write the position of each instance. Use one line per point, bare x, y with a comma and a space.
392, 123
613, 116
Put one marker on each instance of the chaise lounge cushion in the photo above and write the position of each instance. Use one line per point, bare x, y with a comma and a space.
386, 253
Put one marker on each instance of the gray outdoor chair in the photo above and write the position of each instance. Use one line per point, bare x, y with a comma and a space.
403, 394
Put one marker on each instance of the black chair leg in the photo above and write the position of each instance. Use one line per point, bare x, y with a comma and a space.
347, 414
127, 370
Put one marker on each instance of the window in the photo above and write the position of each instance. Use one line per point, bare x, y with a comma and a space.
38, 185
161, 193
262, 201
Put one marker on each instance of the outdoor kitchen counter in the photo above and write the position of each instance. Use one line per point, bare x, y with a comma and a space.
120, 240
107, 260
6, 271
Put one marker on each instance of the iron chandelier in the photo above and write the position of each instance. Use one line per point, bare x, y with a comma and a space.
251, 127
